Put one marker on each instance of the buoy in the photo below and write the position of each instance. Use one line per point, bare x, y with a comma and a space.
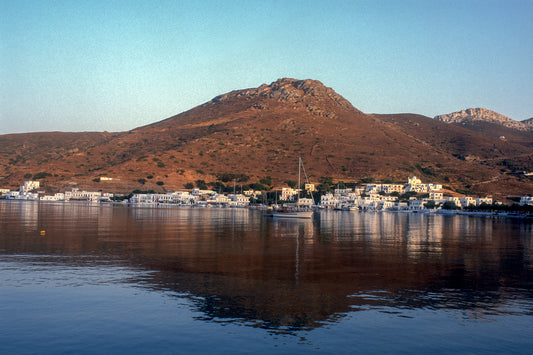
43, 233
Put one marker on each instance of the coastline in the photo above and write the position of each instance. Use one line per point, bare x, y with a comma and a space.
441, 212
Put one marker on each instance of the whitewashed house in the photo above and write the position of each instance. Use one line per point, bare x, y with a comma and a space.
305, 202
328, 200
467, 201
416, 205
287, 194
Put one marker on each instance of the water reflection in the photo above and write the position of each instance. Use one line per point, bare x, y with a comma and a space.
237, 266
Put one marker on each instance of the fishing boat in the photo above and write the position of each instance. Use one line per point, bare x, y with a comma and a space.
295, 211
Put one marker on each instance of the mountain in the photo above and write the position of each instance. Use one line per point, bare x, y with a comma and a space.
529, 123
258, 132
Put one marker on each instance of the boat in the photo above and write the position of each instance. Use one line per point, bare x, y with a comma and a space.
295, 211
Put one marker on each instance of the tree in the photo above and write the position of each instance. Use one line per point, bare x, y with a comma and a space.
430, 204
292, 184
367, 180
258, 187
201, 184
189, 186
266, 181
142, 181
449, 205
327, 180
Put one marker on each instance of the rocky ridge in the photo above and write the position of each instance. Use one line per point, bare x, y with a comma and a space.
291, 91
484, 115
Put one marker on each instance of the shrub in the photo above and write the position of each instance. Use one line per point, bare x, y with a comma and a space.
41, 175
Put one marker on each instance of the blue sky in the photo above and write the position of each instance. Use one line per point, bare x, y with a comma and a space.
116, 65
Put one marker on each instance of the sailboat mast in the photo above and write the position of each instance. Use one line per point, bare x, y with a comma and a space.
299, 164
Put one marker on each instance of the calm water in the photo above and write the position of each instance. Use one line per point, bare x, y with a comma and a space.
123, 280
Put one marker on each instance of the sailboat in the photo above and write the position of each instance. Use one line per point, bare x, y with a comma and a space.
294, 211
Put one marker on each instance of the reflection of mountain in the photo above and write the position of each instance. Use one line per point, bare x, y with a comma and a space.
238, 266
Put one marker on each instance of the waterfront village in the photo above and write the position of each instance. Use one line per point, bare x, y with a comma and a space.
414, 196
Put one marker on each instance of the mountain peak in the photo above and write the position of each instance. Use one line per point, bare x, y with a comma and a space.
481, 114
290, 90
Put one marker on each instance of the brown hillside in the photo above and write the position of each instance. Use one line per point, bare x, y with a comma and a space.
261, 132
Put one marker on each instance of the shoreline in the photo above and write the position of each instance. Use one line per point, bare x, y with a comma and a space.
440, 212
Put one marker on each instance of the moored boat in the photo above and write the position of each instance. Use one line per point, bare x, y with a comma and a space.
293, 211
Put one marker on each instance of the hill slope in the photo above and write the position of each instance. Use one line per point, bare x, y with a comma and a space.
260, 132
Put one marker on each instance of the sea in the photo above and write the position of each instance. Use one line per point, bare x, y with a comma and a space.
78, 278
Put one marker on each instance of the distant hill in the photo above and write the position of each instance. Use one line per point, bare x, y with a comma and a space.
528, 123
492, 124
258, 132
480, 114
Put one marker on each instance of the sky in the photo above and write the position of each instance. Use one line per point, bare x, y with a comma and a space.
116, 65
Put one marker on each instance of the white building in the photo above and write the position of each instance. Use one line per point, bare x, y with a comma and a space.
416, 205
455, 200
328, 200
373, 188
29, 185
310, 187
435, 196
434, 187
342, 192
218, 199
287, 194
198, 192
252, 193
56, 197
239, 200
414, 181
305, 202
526, 200
177, 197
76, 194
390, 188
467, 201
24, 192
482, 200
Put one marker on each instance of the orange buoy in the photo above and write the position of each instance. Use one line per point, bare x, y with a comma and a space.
43, 233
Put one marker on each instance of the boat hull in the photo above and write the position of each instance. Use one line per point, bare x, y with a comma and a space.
292, 214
